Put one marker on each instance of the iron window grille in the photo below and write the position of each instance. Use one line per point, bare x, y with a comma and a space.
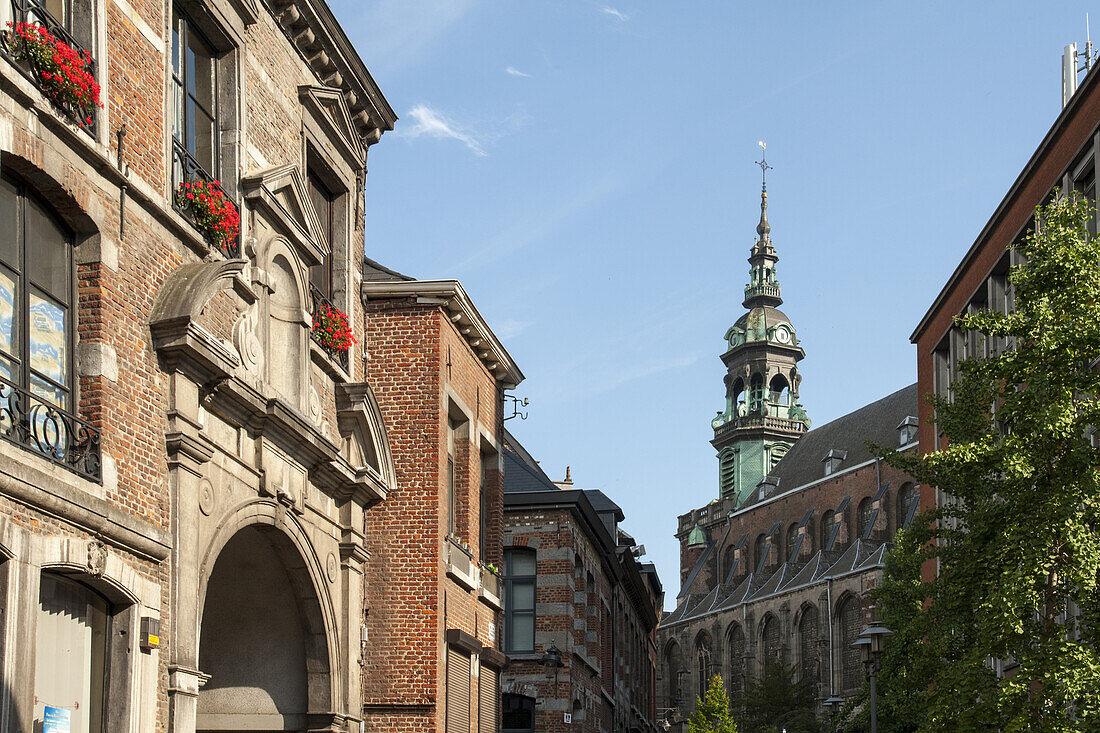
317, 299
34, 424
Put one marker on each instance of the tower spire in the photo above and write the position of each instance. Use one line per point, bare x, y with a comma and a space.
763, 229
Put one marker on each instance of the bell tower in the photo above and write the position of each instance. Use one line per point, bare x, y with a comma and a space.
763, 416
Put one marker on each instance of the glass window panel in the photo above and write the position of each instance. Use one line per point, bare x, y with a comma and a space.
48, 333
71, 641
521, 563
177, 111
204, 139
47, 252
57, 9
523, 632
189, 68
9, 312
523, 596
200, 65
177, 32
9, 231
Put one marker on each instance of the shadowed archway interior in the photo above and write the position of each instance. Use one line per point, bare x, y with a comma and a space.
262, 639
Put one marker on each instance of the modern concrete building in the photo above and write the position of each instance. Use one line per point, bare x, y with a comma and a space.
581, 609
189, 446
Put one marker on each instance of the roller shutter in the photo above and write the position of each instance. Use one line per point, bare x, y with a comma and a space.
458, 691
488, 700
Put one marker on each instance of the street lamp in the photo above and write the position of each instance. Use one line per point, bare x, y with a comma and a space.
551, 660
833, 705
870, 644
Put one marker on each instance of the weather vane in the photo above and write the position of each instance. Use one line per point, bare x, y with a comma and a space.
763, 163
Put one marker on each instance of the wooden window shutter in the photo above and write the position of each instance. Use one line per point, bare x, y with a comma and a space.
458, 691
488, 701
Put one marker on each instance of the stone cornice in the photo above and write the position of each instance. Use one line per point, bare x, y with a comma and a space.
312, 28
466, 318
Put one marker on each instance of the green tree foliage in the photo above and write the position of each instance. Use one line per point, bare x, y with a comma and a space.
776, 701
712, 713
1019, 547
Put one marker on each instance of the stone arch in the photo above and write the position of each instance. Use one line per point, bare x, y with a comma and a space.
808, 623
847, 620
287, 322
735, 655
61, 187
673, 663
770, 643
703, 659
779, 391
263, 524
756, 393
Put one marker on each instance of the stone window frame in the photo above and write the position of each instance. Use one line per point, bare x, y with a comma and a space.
25, 191
225, 36
527, 704
509, 581
319, 158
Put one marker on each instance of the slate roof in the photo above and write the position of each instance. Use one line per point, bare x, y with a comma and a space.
876, 422
519, 475
374, 271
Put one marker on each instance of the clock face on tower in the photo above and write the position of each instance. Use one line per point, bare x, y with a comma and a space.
782, 335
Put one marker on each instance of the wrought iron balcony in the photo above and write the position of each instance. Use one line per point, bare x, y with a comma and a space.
41, 427
185, 169
317, 298
33, 12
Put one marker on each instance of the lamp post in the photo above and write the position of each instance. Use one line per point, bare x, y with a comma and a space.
869, 644
833, 705
551, 660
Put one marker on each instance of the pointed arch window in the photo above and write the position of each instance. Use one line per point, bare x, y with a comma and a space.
792, 541
702, 662
735, 645
907, 499
866, 516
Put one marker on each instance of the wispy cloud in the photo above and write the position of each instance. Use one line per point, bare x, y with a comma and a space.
516, 72
509, 328
396, 34
614, 12
432, 123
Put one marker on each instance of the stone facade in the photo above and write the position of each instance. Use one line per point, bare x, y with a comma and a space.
221, 484
433, 607
595, 605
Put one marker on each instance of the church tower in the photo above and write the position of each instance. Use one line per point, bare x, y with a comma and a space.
763, 417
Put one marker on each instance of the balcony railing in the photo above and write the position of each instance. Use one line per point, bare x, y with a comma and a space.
41, 427
317, 298
32, 11
185, 169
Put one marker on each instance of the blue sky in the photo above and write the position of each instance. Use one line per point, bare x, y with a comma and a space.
586, 170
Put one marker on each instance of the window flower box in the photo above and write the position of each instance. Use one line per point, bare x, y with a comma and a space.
331, 328
211, 211
64, 74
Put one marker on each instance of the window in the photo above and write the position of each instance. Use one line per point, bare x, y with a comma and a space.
736, 647
792, 541
866, 516
848, 620
761, 549
907, 497
807, 643
324, 203
35, 297
769, 638
519, 600
194, 93
71, 654
519, 714
452, 494
828, 524
728, 558
702, 662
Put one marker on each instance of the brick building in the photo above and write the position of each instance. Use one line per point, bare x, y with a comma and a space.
1066, 159
186, 460
779, 566
581, 609
432, 661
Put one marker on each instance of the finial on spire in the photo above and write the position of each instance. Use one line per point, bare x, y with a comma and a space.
763, 228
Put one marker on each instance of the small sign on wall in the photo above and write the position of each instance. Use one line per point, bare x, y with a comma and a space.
569, 717
57, 720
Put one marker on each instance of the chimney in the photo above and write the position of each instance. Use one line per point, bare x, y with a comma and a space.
567, 483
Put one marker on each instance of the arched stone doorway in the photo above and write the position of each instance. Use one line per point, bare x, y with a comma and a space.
262, 640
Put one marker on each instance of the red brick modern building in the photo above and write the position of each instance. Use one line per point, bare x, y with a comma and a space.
432, 659
580, 609
1066, 159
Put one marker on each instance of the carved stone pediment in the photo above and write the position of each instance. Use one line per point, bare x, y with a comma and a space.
329, 108
365, 445
280, 195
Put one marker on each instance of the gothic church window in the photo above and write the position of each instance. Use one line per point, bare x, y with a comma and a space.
848, 622
907, 497
807, 644
792, 540
866, 514
828, 522
769, 639
761, 548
